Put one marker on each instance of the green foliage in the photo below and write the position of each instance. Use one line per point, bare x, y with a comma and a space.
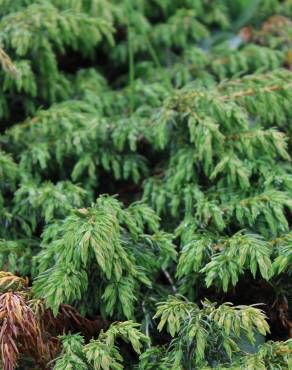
229, 258
109, 240
283, 247
33, 35
271, 355
72, 356
192, 347
101, 353
189, 326
145, 154
47, 201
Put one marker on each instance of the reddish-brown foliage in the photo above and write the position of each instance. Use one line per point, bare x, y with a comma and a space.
18, 328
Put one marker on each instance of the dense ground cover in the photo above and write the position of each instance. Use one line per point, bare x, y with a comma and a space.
145, 193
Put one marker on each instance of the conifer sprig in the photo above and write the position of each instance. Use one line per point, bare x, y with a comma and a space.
180, 112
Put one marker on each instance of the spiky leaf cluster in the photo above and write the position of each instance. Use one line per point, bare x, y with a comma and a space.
145, 156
